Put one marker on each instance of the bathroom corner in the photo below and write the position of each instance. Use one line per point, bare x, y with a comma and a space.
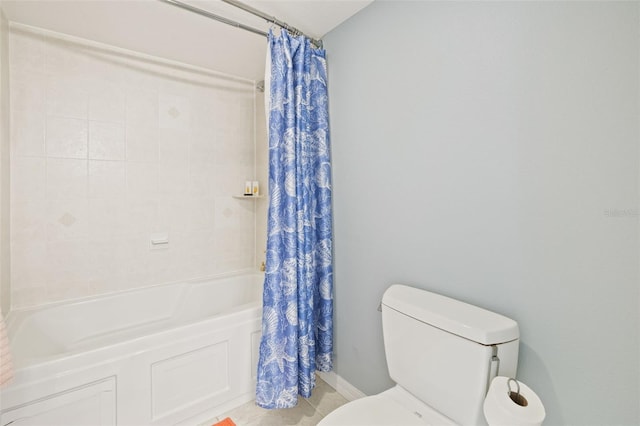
5, 290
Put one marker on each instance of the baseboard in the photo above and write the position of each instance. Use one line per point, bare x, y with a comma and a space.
341, 386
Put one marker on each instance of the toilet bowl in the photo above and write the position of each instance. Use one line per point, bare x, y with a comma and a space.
442, 354
394, 406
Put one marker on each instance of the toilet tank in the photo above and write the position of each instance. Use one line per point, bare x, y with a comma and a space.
442, 350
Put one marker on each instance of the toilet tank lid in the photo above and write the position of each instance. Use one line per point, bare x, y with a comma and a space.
456, 317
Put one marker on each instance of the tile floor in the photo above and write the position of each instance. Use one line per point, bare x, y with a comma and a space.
308, 412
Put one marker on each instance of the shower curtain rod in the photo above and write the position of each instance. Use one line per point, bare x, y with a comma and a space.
246, 8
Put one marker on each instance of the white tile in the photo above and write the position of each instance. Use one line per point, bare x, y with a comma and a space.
28, 178
66, 137
126, 157
28, 264
228, 263
107, 105
107, 179
142, 179
66, 178
64, 58
240, 114
231, 149
239, 149
66, 99
196, 252
226, 213
25, 297
234, 243
203, 183
173, 179
138, 271
27, 133
164, 266
141, 142
173, 147
201, 213
107, 69
28, 90
223, 148
174, 112
230, 179
177, 82
173, 214
106, 218
202, 149
208, 115
107, 272
29, 220
67, 268
67, 220
106, 141
64, 289
142, 107
26, 49
104, 283
137, 78
139, 217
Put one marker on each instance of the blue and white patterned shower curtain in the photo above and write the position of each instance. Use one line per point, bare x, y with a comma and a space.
297, 323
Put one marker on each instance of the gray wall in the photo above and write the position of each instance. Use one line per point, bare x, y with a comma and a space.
489, 152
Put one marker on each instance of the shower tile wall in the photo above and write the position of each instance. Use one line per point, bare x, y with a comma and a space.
109, 148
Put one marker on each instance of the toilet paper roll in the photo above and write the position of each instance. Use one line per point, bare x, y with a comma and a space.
503, 406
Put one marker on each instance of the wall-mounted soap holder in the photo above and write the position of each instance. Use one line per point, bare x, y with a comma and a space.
248, 197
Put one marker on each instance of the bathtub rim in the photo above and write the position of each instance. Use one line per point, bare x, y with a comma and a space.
241, 311
14, 314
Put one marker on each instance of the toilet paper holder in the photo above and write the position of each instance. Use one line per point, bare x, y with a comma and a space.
516, 397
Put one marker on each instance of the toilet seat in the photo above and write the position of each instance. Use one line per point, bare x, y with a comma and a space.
394, 407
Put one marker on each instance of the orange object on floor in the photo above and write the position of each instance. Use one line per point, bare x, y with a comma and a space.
225, 422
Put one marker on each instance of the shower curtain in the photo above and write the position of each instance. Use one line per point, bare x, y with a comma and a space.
297, 323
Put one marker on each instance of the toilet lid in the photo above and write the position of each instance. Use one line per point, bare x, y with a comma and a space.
374, 410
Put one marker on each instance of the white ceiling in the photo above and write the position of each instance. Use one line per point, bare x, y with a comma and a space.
163, 30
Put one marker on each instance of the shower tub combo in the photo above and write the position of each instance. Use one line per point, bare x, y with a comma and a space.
164, 355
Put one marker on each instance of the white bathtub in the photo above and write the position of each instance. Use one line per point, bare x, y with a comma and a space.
164, 355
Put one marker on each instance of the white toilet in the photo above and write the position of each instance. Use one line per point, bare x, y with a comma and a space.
442, 354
